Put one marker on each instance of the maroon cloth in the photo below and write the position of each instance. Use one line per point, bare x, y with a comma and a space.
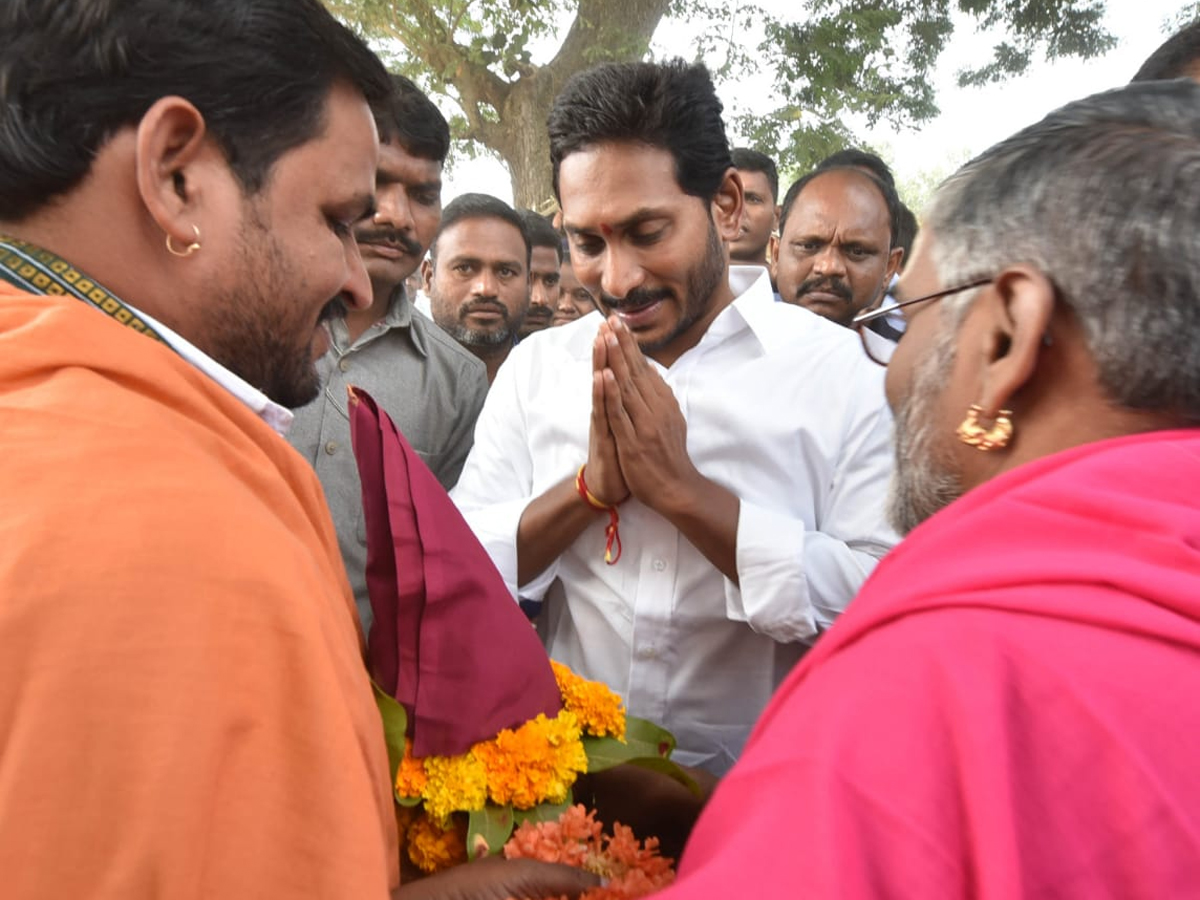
448, 641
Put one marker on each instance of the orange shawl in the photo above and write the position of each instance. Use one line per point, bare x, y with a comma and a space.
184, 710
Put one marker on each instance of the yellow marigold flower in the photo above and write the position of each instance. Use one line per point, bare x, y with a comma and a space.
454, 783
410, 777
433, 847
536, 763
599, 710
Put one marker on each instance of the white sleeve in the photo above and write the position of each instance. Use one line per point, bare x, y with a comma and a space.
497, 481
794, 582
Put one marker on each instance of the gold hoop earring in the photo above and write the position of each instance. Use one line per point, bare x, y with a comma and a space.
189, 249
971, 433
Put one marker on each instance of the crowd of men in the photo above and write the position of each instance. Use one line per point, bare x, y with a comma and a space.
686, 418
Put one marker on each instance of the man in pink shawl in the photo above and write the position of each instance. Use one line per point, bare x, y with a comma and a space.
1009, 708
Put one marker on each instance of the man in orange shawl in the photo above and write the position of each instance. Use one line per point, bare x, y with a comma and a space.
183, 704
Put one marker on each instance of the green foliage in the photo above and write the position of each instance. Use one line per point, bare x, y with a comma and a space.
645, 745
1183, 18
491, 826
826, 59
395, 725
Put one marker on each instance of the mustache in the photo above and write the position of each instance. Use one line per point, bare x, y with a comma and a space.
637, 297
483, 306
827, 285
334, 309
388, 236
539, 312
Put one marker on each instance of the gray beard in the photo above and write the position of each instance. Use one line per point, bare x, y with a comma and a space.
922, 484
469, 337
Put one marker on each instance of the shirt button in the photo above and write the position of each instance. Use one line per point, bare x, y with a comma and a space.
647, 653
331, 448
659, 565
344, 365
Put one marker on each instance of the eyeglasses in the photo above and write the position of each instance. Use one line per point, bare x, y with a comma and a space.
859, 322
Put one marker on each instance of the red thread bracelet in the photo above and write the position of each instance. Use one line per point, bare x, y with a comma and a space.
612, 535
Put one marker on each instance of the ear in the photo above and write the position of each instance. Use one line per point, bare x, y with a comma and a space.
172, 151
426, 275
727, 205
895, 258
773, 254
1017, 317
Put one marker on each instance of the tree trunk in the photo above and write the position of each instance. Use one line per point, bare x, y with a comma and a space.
623, 29
524, 145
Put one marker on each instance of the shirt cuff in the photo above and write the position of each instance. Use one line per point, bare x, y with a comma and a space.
773, 598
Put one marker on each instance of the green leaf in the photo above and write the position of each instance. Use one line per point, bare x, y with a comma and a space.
646, 745
395, 726
489, 827
645, 731
543, 812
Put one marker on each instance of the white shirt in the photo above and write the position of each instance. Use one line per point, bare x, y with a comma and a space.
784, 410
279, 418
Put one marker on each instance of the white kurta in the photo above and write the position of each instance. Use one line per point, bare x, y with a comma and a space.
784, 410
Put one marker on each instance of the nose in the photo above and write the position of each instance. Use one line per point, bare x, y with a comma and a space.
485, 284
357, 286
392, 208
829, 261
540, 295
621, 273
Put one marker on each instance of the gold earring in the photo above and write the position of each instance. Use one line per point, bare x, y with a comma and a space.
189, 249
971, 433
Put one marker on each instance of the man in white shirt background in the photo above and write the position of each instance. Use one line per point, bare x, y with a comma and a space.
702, 476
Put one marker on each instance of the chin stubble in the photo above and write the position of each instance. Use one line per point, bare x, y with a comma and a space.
922, 483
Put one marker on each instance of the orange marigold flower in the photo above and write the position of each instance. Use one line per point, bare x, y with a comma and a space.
410, 777
599, 709
536, 763
405, 816
433, 847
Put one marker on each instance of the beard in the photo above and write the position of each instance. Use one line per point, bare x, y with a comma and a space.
478, 337
259, 329
922, 481
701, 283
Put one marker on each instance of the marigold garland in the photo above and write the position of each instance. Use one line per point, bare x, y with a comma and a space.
598, 708
454, 783
410, 777
522, 767
433, 846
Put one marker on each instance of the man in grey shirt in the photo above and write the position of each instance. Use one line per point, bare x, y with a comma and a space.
431, 387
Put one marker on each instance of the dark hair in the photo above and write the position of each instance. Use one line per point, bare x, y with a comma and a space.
75, 72
753, 161
1172, 60
480, 206
890, 198
410, 119
540, 232
853, 158
671, 106
906, 231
